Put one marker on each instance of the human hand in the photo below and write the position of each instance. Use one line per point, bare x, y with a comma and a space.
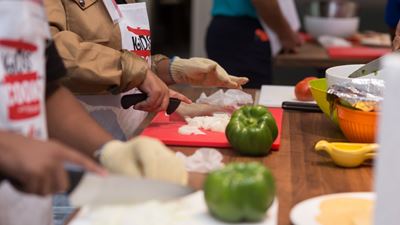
203, 72
157, 94
37, 167
175, 94
396, 40
290, 41
143, 157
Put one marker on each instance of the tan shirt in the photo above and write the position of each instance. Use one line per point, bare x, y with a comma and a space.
90, 45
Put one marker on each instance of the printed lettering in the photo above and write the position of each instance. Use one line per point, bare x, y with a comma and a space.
20, 79
16, 62
141, 43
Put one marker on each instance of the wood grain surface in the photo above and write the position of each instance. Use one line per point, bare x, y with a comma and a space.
299, 171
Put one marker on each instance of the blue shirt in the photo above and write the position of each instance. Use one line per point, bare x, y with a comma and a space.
234, 8
392, 13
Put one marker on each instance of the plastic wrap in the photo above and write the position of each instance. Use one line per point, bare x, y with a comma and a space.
362, 94
231, 97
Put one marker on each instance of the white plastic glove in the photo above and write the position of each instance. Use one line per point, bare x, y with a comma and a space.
143, 157
203, 72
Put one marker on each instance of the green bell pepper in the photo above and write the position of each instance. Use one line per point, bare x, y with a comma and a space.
240, 192
252, 130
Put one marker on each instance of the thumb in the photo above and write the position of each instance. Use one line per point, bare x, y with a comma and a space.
239, 80
179, 96
224, 78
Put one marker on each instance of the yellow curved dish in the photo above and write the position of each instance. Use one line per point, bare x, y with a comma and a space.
347, 154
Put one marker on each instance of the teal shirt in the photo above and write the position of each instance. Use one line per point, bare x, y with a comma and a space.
234, 8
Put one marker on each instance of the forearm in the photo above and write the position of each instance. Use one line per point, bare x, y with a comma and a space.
112, 70
271, 14
93, 68
69, 122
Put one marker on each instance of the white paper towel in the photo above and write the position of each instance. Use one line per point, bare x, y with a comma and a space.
203, 160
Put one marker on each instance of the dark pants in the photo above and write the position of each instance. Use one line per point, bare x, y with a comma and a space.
233, 43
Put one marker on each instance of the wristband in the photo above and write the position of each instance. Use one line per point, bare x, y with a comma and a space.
171, 60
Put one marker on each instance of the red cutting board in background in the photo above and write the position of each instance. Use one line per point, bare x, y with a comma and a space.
167, 131
358, 52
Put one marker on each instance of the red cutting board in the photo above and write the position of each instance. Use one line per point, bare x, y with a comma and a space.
358, 52
167, 131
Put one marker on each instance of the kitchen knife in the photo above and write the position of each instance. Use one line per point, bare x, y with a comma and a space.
91, 189
301, 106
371, 67
132, 99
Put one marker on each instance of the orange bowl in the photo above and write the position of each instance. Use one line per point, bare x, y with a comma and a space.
357, 126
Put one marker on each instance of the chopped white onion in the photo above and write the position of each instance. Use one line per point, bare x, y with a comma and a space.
188, 130
217, 123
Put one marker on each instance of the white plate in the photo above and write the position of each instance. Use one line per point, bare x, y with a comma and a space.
305, 212
274, 95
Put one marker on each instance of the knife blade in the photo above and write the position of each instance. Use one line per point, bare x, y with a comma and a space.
91, 189
132, 99
371, 67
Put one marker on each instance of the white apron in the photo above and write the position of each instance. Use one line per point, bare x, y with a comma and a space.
135, 37
23, 31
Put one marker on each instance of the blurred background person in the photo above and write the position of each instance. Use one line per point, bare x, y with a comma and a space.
237, 41
392, 15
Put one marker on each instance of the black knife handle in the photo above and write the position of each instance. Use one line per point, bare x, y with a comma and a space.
173, 105
301, 106
130, 100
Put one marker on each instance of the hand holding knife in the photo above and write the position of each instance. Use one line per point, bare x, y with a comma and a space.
130, 100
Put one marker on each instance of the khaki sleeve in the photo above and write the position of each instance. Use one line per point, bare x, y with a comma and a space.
92, 68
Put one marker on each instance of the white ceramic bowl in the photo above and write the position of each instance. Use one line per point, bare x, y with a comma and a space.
337, 27
339, 74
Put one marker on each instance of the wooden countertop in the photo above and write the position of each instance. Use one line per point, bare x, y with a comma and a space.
299, 171
311, 54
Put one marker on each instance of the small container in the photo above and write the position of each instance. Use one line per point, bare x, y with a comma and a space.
347, 154
319, 88
333, 8
331, 26
356, 125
